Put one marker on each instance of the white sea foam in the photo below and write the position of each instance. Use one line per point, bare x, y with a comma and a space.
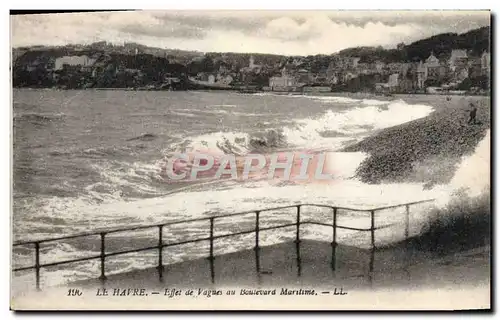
222, 106
474, 171
356, 121
324, 99
472, 174
372, 102
208, 110
331, 99
235, 142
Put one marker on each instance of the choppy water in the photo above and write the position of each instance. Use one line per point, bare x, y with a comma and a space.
92, 159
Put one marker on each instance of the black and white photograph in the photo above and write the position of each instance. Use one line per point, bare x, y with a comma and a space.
250, 160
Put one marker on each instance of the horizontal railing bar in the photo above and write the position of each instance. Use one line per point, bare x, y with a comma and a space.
253, 211
339, 227
157, 247
366, 209
94, 233
317, 223
354, 229
332, 207
401, 205
193, 241
132, 228
67, 261
166, 245
342, 227
385, 226
227, 215
253, 230
129, 251
23, 268
233, 234
87, 234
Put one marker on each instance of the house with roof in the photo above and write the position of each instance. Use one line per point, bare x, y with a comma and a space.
432, 61
436, 69
406, 84
304, 76
282, 83
348, 75
475, 67
224, 78
393, 82
485, 63
84, 61
458, 59
405, 69
421, 75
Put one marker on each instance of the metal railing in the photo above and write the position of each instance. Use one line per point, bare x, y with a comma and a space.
161, 245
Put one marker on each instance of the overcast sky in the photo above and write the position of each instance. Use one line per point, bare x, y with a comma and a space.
290, 33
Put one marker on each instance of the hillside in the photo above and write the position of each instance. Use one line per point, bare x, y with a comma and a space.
476, 41
150, 66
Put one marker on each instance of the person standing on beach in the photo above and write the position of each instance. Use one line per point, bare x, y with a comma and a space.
472, 114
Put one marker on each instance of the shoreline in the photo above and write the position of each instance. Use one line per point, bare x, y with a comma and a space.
297, 93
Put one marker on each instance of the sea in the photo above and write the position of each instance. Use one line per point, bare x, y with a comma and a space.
92, 160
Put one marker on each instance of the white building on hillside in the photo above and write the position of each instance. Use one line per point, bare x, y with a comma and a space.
84, 61
393, 82
282, 82
432, 61
458, 59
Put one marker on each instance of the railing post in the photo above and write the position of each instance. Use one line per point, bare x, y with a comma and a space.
257, 229
103, 256
407, 246
334, 238
334, 241
37, 265
298, 259
211, 238
297, 234
407, 222
372, 233
160, 251
211, 257
257, 266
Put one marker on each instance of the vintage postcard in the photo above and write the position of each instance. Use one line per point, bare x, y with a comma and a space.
251, 160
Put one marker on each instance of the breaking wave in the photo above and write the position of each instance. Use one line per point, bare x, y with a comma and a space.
353, 123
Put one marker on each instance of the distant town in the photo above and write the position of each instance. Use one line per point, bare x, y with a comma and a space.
443, 64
